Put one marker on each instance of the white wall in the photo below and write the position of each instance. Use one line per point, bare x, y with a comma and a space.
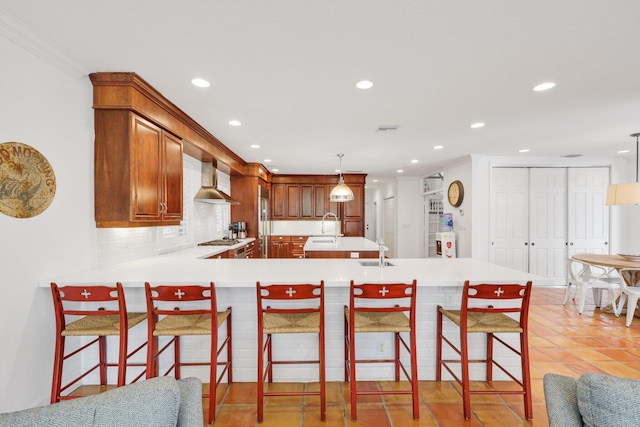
50, 111
408, 213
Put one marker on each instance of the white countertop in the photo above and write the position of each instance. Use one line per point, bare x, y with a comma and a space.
330, 243
191, 266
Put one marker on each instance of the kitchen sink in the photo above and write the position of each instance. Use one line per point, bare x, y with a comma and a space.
375, 264
323, 240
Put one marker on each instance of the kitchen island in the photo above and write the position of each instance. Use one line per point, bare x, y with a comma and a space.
439, 283
340, 247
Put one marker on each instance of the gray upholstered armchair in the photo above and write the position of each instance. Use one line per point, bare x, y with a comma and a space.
593, 400
157, 402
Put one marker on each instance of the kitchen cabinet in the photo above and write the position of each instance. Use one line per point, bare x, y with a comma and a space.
306, 197
297, 246
246, 190
280, 247
138, 172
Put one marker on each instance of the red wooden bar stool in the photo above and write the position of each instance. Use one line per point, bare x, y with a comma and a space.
197, 315
390, 316
514, 299
96, 311
289, 312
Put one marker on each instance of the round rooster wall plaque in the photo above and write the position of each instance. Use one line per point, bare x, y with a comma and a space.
27, 181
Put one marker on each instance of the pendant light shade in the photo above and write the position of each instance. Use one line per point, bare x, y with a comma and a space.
341, 193
628, 193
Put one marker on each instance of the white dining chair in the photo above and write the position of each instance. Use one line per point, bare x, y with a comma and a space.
586, 276
630, 293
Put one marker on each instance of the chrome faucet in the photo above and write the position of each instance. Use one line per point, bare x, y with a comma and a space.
335, 225
381, 249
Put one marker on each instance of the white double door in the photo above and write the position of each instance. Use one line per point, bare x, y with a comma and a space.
539, 216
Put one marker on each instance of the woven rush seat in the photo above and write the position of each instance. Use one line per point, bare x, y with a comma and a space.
392, 309
484, 322
188, 324
289, 309
293, 323
97, 312
176, 311
380, 321
487, 308
101, 325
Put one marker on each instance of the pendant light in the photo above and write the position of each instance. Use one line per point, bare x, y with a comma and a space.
341, 193
625, 194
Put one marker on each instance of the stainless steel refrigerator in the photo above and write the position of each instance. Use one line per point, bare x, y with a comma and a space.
264, 225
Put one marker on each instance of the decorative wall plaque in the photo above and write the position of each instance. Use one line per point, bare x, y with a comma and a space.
27, 181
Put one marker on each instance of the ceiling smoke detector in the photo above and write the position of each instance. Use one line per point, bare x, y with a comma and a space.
387, 128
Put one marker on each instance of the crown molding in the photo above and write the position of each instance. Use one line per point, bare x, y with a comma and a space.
25, 37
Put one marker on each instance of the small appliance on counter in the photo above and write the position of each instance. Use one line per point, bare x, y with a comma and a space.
446, 244
238, 229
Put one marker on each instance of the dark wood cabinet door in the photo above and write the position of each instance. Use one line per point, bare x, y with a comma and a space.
355, 208
332, 207
278, 201
293, 201
146, 163
172, 159
320, 201
306, 201
353, 227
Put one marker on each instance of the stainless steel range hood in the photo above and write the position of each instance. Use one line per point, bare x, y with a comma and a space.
209, 192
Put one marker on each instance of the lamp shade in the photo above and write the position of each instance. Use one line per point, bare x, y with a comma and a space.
623, 194
341, 193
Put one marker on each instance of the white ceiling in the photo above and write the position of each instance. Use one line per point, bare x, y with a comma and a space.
287, 70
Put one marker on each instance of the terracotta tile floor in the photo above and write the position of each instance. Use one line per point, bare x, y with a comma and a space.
561, 341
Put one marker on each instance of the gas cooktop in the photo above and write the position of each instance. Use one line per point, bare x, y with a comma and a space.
220, 242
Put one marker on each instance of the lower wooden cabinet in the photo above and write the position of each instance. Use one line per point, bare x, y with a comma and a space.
287, 246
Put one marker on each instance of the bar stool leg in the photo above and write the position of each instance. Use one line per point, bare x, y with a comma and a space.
439, 346
323, 385
489, 357
229, 352
269, 359
396, 349
352, 372
176, 355
122, 359
213, 376
466, 396
57, 369
414, 375
526, 376
102, 350
260, 376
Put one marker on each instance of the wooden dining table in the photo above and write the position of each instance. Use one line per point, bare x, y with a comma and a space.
616, 262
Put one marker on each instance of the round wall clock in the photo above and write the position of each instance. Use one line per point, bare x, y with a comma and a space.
455, 194
27, 181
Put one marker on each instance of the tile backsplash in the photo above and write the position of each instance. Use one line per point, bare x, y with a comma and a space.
202, 222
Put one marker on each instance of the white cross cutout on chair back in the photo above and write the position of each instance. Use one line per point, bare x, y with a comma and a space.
179, 293
85, 294
290, 292
384, 291
498, 292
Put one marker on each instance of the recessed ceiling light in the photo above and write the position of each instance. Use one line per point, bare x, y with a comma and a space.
255, 146
267, 160
337, 170
544, 86
375, 180
399, 171
200, 83
477, 125
623, 151
276, 170
415, 161
235, 122
438, 147
364, 84
524, 150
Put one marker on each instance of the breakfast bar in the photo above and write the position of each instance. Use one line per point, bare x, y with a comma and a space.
439, 283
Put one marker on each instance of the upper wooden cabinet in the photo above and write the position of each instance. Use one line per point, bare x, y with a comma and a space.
306, 197
138, 172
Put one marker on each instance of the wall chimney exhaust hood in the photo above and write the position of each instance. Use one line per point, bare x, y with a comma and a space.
209, 192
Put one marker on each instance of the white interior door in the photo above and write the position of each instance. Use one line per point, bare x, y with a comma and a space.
509, 223
389, 232
588, 216
370, 221
547, 221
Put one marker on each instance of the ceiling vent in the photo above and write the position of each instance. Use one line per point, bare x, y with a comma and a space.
387, 128
573, 155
